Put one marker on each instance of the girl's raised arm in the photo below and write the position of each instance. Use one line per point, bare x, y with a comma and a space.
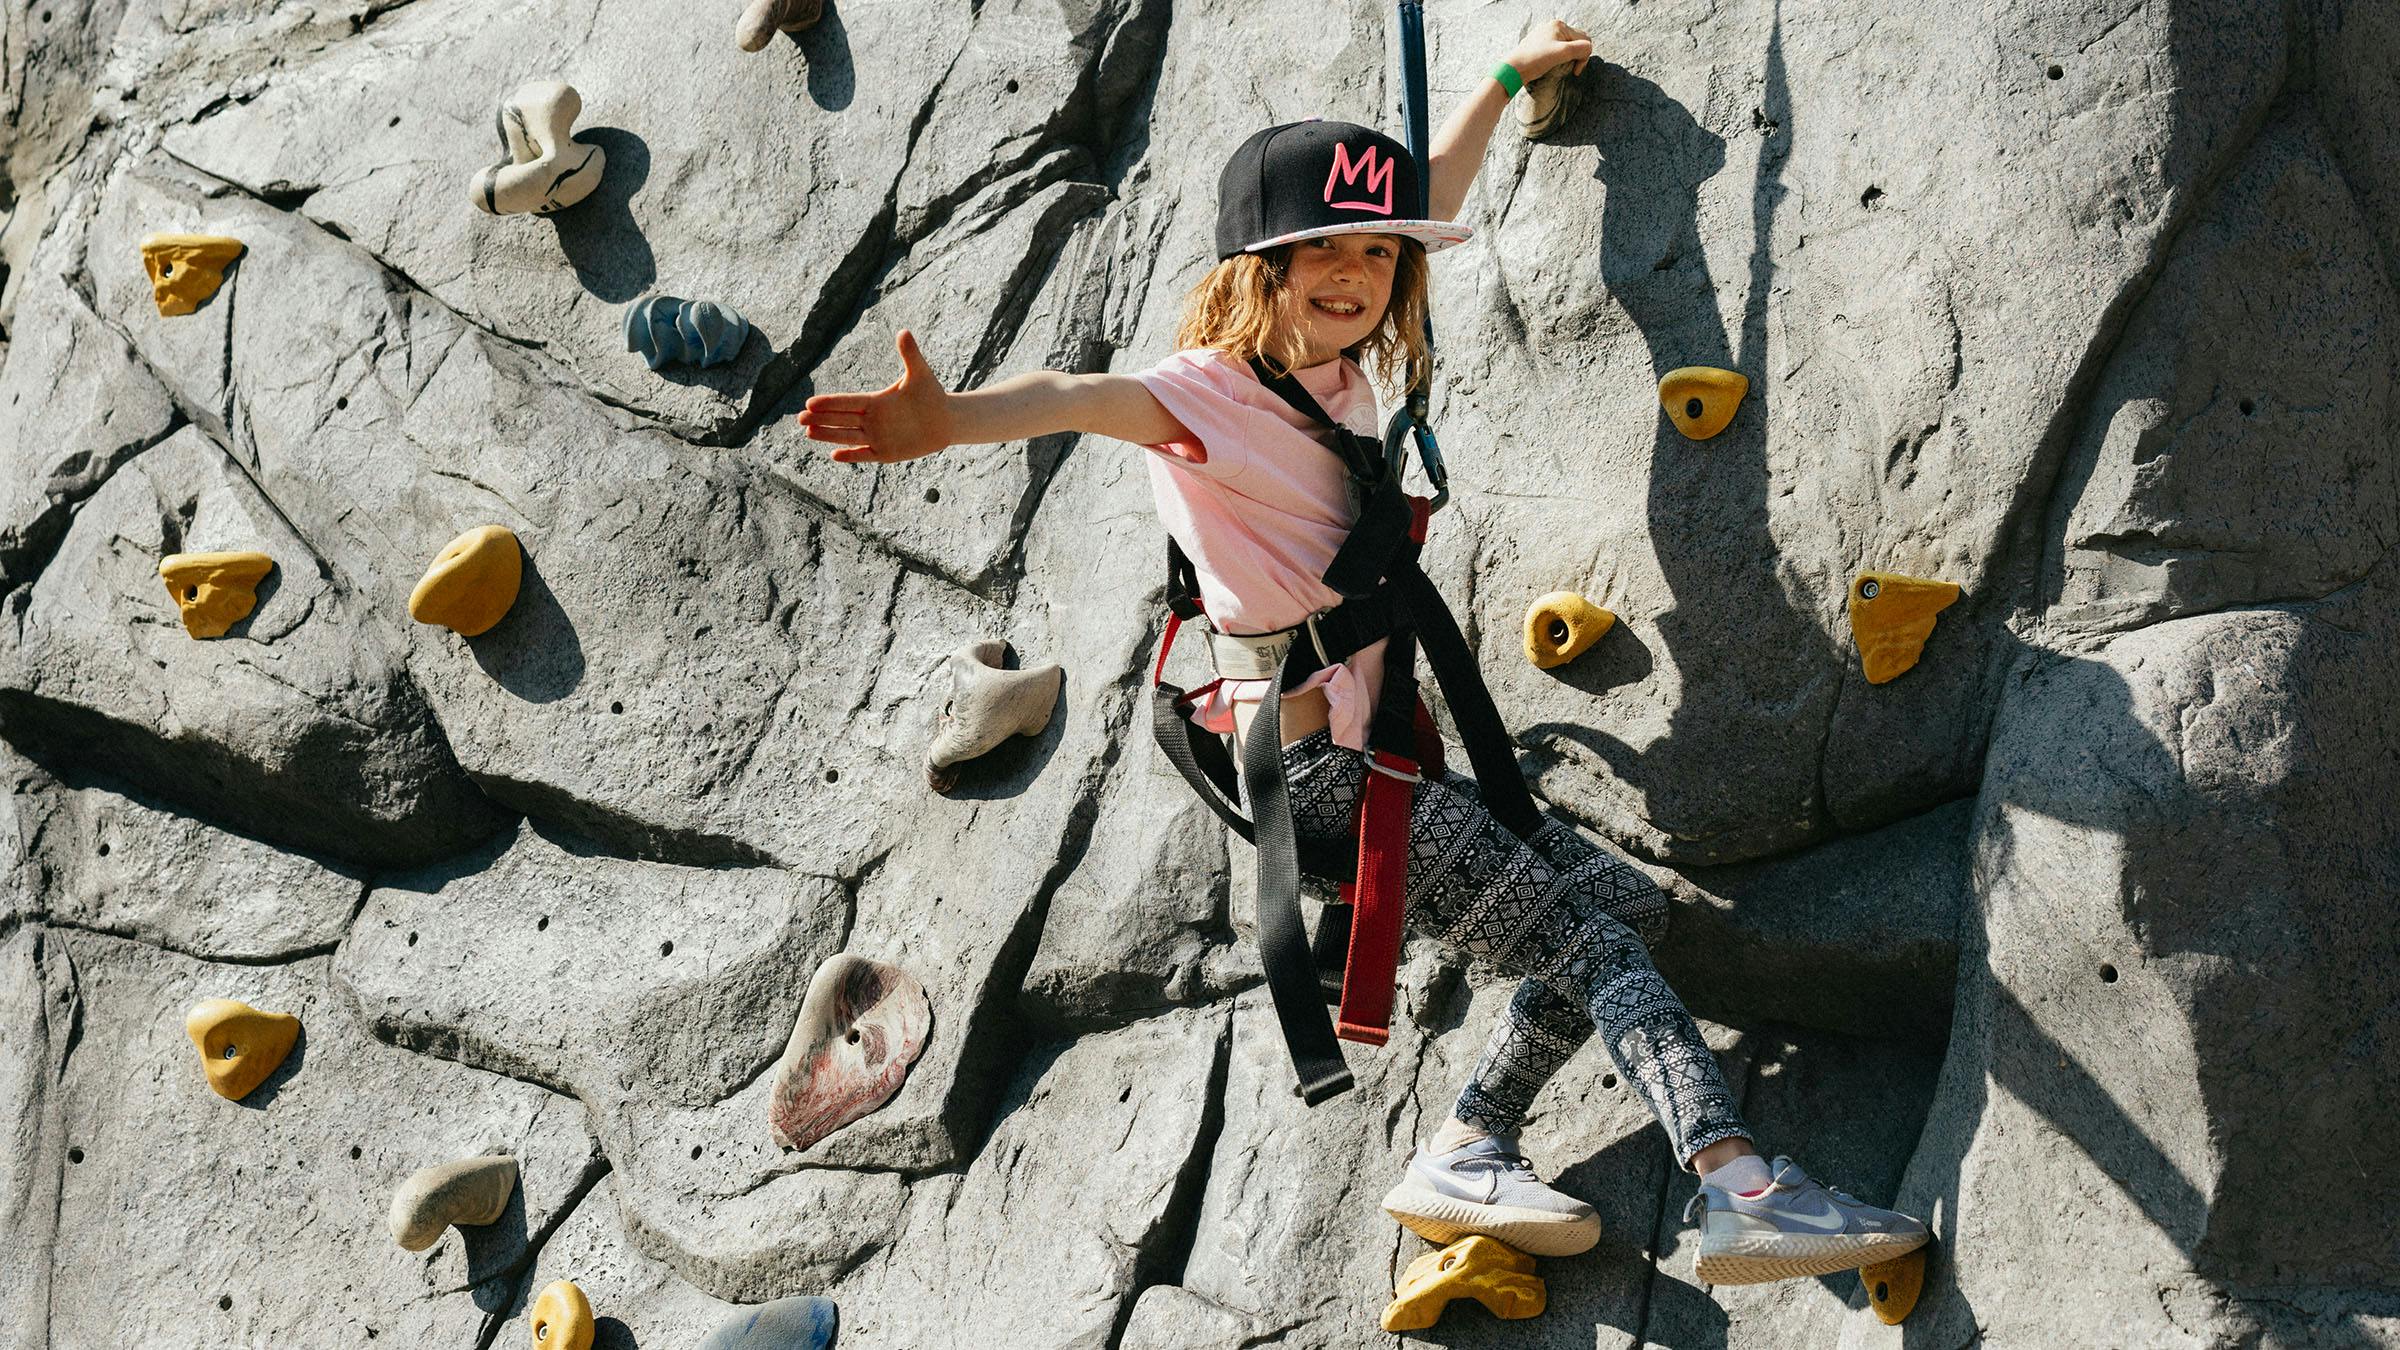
1458, 147
915, 416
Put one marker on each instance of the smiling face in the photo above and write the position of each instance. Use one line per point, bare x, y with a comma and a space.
1337, 288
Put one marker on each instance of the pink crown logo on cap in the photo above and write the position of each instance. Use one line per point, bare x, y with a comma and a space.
1377, 169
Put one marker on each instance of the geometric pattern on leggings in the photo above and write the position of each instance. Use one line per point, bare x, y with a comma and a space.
1568, 916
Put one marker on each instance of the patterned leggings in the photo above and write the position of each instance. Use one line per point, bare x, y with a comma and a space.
1560, 912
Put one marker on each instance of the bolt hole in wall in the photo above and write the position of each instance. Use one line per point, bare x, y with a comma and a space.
104, 850
1608, 1080
666, 949
833, 775
2108, 974
1870, 197
542, 925
224, 1303
695, 1153
1012, 86
75, 1156
853, 1037
2056, 73
412, 939
342, 404
356, 1153
616, 707
2249, 408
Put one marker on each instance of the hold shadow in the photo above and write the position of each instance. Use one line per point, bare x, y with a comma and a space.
598, 234
832, 75
496, 1249
610, 1334
533, 652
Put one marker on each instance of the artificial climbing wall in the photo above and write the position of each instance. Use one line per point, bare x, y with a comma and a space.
2074, 938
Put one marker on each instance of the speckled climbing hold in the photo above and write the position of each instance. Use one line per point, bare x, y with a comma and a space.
215, 591
186, 269
472, 582
1484, 1269
763, 19
1893, 1286
990, 701
562, 1318
1890, 618
1562, 626
239, 1045
860, 1027
1549, 101
546, 168
470, 1192
1701, 400
803, 1323
666, 329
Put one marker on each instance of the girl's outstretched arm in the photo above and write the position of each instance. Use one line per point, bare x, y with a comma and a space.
914, 416
1458, 147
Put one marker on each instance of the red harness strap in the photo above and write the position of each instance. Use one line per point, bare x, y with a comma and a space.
1379, 895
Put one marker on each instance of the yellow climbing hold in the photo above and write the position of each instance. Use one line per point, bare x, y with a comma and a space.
472, 582
215, 591
239, 1045
186, 269
1890, 618
1893, 1286
1701, 400
562, 1318
1562, 626
1484, 1269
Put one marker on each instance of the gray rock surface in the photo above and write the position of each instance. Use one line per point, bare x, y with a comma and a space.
2072, 938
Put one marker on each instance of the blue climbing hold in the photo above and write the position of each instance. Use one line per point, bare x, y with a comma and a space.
804, 1323
666, 328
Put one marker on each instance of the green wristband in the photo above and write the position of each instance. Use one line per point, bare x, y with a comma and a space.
1509, 79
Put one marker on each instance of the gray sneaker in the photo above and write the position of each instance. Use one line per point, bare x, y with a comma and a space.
1487, 1188
1796, 1226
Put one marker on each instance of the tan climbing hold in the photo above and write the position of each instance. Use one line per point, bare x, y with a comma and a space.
472, 582
1549, 100
186, 269
1562, 626
989, 702
470, 1192
1701, 400
546, 168
215, 591
1484, 1269
763, 19
1890, 618
562, 1318
239, 1045
1893, 1286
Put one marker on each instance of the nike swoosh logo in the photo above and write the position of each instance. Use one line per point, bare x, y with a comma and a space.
1831, 1221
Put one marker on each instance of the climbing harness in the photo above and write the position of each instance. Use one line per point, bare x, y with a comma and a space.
1386, 597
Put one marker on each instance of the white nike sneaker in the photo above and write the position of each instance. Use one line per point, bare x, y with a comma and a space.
1796, 1226
1486, 1187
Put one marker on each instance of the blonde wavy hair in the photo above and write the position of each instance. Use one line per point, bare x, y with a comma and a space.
1241, 308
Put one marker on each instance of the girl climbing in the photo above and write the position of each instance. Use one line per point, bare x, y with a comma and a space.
1322, 276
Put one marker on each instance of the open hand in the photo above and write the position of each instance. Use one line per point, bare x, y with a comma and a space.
1548, 44
907, 419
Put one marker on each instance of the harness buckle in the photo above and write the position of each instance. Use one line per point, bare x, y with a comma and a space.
1316, 639
1394, 766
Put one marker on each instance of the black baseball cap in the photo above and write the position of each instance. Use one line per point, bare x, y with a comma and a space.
1305, 180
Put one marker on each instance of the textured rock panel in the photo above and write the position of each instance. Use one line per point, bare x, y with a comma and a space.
186, 1218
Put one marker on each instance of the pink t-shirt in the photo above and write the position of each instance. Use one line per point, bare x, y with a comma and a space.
1260, 506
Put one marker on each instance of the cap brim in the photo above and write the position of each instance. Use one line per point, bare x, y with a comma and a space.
1435, 235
